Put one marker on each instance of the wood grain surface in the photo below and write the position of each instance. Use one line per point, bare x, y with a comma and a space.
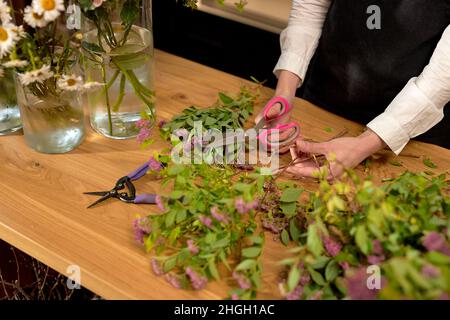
43, 211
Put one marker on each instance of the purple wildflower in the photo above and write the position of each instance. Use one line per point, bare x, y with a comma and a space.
206, 221
242, 281
142, 228
143, 135
193, 249
154, 164
434, 241
305, 279
377, 248
219, 216
197, 282
162, 123
357, 286
332, 246
430, 271
375, 259
142, 123
160, 203
156, 266
173, 280
234, 296
295, 294
241, 206
344, 265
252, 205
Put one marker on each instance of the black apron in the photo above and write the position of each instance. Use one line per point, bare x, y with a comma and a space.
357, 72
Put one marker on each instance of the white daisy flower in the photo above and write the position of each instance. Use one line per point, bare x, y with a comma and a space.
92, 86
39, 75
51, 9
8, 39
19, 31
5, 13
33, 18
16, 63
70, 83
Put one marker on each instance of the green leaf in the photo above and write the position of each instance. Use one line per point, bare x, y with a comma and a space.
181, 215
294, 231
170, 264
362, 239
395, 163
438, 258
331, 271
176, 194
213, 269
328, 129
92, 47
429, 163
320, 262
251, 252
130, 12
314, 242
293, 278
289, 208
246, 264
285, 237
256, 239
225, 99
170, 218
291, 195
317, 277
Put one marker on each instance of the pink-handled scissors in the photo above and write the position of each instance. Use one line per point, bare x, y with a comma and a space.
272, 137
286, 133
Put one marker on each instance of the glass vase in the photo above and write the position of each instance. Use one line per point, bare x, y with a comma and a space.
118, 53
9, 110
53, 122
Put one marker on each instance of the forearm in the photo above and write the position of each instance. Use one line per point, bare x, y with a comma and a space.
287, 85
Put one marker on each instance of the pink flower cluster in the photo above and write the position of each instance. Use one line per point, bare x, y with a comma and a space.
156, 267
193, 249
198, 282
160, 203
377, 256
142, 228
295, 294
242, 207
220, 217
206, 221
434, 241
332, 246
154, 165
173, 280
242, 280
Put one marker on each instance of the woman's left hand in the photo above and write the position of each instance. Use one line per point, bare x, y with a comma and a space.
342, 153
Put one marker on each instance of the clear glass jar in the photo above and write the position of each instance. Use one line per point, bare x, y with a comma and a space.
53, 123
120, 56
9, 110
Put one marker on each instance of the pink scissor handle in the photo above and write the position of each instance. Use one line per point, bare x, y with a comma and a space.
285, 108
294, 127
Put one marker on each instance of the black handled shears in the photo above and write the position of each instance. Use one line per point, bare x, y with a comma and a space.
125, 191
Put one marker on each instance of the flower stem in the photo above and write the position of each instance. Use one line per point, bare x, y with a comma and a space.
108, 105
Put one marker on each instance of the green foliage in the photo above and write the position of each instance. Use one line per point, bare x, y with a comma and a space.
200, 192
226, 113
371, 224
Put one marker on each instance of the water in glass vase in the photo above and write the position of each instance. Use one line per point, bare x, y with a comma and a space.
126, 70
9, 110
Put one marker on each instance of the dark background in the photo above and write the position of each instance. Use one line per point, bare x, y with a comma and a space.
214, 41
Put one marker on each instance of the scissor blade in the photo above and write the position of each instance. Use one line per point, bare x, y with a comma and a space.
97, 193
261, 123
105, 197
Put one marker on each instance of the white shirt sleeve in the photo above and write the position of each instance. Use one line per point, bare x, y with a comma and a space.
420, 105
301, 37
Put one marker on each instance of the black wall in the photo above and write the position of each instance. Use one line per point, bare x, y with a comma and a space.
219, 43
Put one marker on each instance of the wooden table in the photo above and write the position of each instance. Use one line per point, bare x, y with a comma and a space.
43, 211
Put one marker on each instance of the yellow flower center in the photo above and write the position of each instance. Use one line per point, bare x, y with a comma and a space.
71, 82
3, 34
37, 16
48, 4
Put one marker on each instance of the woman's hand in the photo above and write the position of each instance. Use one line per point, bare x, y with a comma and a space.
342, 153
287, 85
